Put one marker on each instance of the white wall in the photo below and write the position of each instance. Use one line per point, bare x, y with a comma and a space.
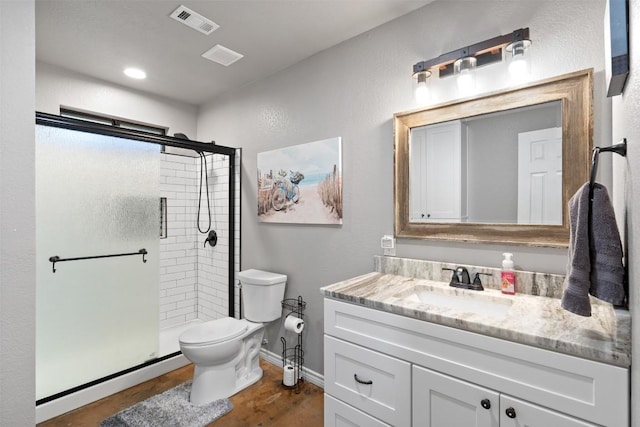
352, 90
56, 87
626, 110
17, 213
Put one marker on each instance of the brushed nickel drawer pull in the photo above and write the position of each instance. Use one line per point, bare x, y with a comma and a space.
369, 382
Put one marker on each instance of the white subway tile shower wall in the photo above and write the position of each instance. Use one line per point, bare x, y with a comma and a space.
194, 279
213, 277
178, 252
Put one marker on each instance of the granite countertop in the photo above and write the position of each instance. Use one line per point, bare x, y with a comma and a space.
523, 318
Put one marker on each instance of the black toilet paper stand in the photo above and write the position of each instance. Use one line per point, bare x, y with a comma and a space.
293, 356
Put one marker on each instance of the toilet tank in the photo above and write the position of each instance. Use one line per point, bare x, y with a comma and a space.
262, 294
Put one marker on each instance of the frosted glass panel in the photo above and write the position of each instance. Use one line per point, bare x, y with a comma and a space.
95, 195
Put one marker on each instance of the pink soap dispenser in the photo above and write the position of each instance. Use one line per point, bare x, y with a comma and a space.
508, 275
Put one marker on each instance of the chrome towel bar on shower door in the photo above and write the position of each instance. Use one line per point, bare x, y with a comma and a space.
56, 258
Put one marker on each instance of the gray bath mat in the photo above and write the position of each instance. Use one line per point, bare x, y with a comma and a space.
169, 409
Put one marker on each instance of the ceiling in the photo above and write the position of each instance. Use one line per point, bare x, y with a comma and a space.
100, 38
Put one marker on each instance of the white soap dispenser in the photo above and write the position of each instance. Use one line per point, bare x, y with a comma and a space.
508, 275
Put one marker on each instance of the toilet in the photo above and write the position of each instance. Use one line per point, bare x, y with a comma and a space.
225, 351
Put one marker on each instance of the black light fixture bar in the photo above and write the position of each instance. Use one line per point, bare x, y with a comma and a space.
485, 52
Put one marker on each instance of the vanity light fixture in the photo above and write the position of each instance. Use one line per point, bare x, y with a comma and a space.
462, 62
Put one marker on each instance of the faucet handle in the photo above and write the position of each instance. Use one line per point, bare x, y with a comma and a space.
454, 276
477, 282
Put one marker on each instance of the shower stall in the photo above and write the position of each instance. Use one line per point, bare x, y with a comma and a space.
137, 238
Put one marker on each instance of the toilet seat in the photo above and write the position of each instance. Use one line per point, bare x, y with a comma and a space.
213, 332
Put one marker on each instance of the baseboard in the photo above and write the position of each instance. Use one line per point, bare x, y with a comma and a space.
83, 397
275, 359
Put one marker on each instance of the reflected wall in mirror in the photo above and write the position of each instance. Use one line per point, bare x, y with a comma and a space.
495, 168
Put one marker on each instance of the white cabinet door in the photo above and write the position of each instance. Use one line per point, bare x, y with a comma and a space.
517, 413
435, 172
443, 401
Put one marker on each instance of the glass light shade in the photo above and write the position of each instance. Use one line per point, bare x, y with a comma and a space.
421, 87
464, 68
518, 64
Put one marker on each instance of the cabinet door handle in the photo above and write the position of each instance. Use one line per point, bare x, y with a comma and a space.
486, 403
511, 413
368, 382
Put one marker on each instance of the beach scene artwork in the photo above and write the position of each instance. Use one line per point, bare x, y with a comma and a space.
301, 184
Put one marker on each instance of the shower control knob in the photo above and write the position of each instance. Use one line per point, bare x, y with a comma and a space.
486, 403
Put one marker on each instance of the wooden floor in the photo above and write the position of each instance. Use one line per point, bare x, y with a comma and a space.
266, 403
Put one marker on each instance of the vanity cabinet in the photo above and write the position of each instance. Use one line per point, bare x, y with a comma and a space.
386, 369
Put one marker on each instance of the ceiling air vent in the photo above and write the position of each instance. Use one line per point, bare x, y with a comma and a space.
222, 55
194, 20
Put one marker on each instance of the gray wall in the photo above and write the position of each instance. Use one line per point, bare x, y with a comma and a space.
626, 110
17, 213
352, 90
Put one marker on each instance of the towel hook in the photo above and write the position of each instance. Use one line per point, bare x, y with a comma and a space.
619, 148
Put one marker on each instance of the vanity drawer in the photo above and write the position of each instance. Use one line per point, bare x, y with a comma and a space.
339, 414
377, 384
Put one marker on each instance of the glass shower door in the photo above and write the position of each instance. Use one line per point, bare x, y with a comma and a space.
95, 195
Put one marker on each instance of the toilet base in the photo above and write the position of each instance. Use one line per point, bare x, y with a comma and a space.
222, 381
211, 385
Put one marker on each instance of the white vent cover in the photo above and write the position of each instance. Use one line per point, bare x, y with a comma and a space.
222, 55
194, 20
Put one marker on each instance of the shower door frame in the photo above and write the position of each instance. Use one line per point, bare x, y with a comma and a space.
52, 120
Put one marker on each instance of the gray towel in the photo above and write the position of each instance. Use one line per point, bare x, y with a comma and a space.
597, 270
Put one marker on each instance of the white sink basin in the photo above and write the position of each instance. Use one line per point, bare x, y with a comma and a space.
478, 302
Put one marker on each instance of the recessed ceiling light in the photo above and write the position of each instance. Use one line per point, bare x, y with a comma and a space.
135, 73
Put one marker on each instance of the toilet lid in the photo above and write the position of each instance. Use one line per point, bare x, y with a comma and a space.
214, 331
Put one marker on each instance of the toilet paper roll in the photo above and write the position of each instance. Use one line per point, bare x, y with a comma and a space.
294, 324
288, 376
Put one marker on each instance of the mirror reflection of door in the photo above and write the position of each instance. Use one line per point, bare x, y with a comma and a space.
540, 177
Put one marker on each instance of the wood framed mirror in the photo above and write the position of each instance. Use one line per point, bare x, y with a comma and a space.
424, 181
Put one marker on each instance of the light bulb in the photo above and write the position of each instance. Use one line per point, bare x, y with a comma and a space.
135, 73
422, 93
421, 90
465, 81
464, 69
518, 63
518, 67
